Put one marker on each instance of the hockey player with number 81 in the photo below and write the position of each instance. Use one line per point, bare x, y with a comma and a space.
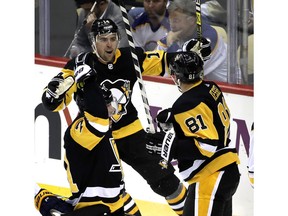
200, 141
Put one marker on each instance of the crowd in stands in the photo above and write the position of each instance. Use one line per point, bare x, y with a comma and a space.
165, 25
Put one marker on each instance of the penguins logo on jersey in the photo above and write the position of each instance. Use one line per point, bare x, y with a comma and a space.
121, 91
116, 167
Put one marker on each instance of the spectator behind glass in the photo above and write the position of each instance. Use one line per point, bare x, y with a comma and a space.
216, 13
151, 25
104, 9
183, 28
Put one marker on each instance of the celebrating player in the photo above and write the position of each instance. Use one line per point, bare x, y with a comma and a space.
115, 70
201, 121
91, 160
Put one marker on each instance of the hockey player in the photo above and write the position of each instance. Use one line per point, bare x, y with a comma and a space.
91, 160
115, 71
201, 122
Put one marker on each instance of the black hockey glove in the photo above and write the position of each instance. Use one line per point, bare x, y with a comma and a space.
58, 86
164, 120
83, 73
161, 143
154, 142
46, 202
203, 48
111, 102
107, 94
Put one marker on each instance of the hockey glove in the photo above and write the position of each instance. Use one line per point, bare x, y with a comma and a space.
83, 73
46, 202
164, 119
58, 86
161, 143
154, 142
203, 48
107, 94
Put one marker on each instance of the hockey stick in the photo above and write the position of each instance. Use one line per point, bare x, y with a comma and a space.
136, 65
199, 21
203, 44
82, 25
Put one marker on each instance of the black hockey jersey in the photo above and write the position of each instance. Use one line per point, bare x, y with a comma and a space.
119, 76
202, 126
91, 158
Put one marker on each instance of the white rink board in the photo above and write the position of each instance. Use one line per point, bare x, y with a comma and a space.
51, 171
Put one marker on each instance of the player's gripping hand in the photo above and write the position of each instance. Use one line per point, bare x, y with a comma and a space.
58, 86
163, 144
154, 142
83, 73
46, 202
107, 94
164, 119
111, 102
203, 48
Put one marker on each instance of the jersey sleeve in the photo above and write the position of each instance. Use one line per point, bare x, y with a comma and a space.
154, 63
89, 129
